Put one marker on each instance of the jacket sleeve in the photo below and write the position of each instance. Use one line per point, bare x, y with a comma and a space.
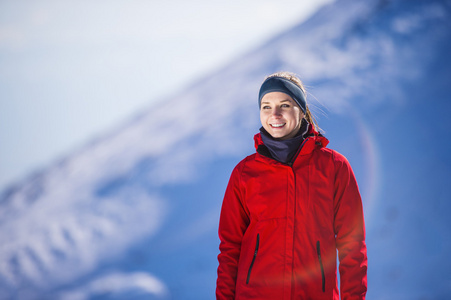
232, 224
350, 232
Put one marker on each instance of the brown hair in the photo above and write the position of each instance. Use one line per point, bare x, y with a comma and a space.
293, 78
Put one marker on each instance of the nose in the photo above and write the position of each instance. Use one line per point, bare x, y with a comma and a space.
276, 111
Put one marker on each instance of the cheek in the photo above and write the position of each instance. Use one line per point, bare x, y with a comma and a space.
299, 116
295, 117
262, 118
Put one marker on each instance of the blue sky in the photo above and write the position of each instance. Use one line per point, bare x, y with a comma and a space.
72, 70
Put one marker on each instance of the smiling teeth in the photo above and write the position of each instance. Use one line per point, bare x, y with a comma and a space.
277, 125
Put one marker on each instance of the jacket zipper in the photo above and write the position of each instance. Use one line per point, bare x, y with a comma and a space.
253, 259
318, 250
290, 163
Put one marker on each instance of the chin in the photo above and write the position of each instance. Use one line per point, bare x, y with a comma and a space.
279, 136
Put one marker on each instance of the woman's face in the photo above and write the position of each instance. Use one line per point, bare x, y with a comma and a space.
280, 115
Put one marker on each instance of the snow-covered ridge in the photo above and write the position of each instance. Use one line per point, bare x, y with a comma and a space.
73, 230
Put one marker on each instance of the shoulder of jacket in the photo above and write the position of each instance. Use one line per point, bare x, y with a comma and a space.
325, 152
340, 161
333, 153
336, 157
247, 159
242, 164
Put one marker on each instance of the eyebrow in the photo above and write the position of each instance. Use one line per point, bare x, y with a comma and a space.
286, 100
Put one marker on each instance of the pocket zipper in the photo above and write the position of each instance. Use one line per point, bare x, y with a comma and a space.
318, 250
253, 259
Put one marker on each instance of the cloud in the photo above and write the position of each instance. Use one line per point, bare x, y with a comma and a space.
120, 284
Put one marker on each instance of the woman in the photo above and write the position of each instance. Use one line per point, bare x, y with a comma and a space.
288, 208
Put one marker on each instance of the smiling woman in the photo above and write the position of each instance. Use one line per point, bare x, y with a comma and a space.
288, 208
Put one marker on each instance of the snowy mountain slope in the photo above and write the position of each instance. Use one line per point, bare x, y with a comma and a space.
134, 214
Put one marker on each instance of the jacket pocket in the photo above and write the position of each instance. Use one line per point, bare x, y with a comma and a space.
253, 259
323, 276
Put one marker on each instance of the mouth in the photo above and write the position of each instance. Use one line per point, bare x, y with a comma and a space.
277, 125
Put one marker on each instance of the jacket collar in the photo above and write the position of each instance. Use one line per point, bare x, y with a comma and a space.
284, 150
313, 140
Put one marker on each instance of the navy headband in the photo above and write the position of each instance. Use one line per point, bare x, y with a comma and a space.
281, 84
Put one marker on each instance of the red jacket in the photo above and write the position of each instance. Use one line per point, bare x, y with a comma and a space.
281, 225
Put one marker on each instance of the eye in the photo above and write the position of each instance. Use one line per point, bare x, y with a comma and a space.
266, 107
285, 105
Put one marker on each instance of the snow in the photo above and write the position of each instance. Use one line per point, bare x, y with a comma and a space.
138, 284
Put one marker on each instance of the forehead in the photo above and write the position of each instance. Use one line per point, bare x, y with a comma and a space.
276, 97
